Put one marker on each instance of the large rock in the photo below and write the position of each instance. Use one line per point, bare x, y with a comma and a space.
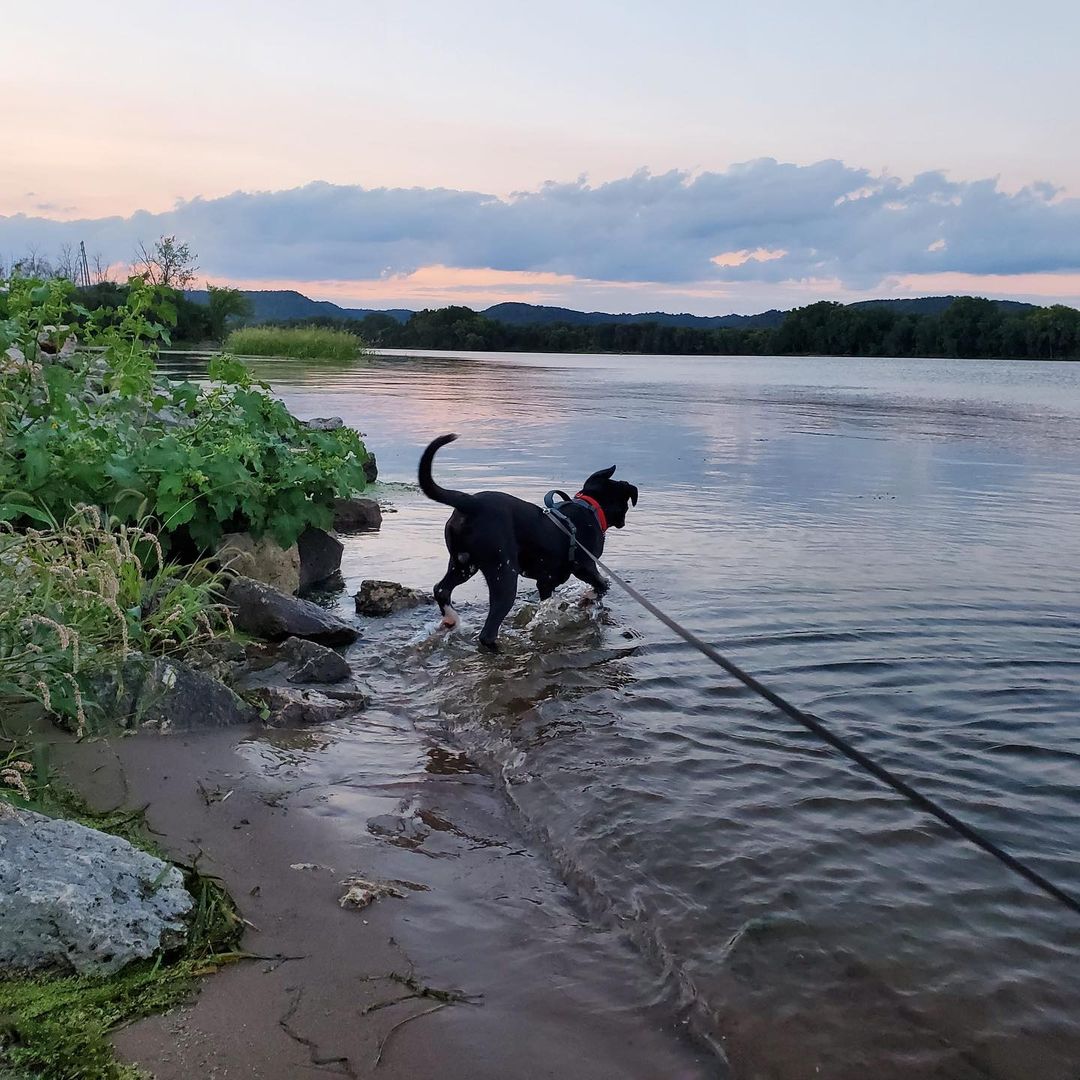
324, 423
171, 696
387, 597
294, 660
261, 560
75, 899
371, 468
320, 558
268, 613
289, 706
357, 515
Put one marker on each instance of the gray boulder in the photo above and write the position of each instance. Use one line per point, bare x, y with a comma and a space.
294, 660
388, 597
262, 560
320, 558
357, 515
268, 613
171, 696
79, 900
288, 706
324, 423
314, 663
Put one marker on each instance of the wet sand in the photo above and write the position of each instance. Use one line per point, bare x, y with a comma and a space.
485, 969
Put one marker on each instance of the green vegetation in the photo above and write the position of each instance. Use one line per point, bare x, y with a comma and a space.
223, 304
103, 428
302, 343
56, 1027
967, 327
77, 598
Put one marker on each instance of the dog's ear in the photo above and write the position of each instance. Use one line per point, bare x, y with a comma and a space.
633, 493
601, 475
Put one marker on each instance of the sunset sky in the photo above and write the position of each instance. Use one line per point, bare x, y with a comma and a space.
691, 156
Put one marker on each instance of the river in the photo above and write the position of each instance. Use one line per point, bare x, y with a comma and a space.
893, 544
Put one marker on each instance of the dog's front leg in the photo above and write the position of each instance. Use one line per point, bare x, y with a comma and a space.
592, 576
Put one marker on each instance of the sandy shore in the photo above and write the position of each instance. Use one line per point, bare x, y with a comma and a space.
486, 969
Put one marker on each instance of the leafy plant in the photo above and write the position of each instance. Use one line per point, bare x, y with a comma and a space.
103, 427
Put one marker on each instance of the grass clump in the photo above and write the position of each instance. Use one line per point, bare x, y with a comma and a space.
78, 598
301, 343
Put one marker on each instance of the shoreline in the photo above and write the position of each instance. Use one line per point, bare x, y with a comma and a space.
487, 968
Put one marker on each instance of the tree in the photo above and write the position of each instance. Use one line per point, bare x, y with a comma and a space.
223, 303
169, 262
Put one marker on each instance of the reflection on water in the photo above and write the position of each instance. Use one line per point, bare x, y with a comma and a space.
894, 544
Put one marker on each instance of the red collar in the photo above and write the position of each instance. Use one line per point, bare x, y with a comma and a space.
601, 517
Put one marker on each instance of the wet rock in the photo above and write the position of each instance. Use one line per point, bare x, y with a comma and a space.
320, 558
171, 696
314, 663
268, 613
357, 515
288, 706
261, 560
324, 423
407, 832
371, 469
387, 597
79, 900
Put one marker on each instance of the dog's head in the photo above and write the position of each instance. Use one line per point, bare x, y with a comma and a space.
615, 496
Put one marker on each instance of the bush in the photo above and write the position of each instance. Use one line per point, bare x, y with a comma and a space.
103, 428
301, 343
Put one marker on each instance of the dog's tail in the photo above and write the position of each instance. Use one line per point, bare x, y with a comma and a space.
459, 500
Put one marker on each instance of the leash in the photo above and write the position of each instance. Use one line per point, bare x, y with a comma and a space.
815, 725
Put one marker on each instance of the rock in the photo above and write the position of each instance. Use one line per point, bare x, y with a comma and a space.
315, 663
261, 560
387, 597
80, 900
268, 613
357, 515
406, 832
371, 469
324, 423
359, 892
221, 658
171, 696
292, 707
320, 558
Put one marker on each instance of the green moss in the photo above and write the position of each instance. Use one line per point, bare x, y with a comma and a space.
56, 1027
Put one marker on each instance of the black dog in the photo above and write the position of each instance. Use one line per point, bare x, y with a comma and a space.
504, 537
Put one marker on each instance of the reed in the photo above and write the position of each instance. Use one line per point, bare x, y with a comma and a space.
297, 342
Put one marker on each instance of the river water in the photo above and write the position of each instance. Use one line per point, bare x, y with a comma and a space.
892, 544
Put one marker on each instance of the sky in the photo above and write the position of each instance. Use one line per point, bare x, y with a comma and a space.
629, 156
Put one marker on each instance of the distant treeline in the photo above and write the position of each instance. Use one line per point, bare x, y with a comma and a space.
969, 327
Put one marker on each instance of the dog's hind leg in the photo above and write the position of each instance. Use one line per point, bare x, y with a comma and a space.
457, 573
502, 590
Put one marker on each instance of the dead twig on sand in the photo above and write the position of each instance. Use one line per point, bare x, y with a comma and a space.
417, 990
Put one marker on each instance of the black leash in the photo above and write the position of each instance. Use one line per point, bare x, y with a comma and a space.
812, 723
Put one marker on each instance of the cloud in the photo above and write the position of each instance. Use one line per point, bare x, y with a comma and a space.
762, 221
